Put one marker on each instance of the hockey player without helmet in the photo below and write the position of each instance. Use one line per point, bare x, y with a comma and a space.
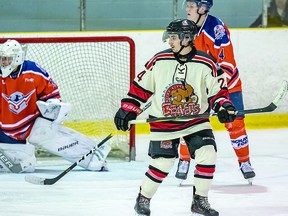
184, 28
11, 56
207, 3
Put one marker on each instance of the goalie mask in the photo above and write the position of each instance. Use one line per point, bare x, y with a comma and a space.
184, 28
11, 56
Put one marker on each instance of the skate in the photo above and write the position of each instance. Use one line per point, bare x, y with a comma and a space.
201, 206
247, 171
182, 170
142, 206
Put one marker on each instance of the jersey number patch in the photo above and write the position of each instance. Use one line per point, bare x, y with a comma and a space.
140, 75
221, 54
221, 81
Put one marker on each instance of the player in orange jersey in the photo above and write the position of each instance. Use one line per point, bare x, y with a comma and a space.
213, 38
31, 111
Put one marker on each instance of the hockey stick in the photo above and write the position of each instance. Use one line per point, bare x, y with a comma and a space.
14, 168
270, 108
50, 181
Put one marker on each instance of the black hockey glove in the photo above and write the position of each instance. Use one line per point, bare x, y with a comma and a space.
129, 110
226, 112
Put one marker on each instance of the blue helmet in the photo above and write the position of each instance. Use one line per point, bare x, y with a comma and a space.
208, 3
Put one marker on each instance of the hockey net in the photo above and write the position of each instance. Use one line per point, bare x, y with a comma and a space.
93, 74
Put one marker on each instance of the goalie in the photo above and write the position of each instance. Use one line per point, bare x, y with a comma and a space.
31, 113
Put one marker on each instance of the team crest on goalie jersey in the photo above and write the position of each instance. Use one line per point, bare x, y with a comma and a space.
18, 101
180, 99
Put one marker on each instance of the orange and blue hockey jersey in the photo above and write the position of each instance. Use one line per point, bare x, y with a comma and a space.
214, 39
18, 109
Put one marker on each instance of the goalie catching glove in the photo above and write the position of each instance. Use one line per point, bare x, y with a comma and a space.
225, 110
54, 110
130, 109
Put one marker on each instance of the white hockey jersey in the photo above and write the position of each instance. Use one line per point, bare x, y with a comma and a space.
178, 89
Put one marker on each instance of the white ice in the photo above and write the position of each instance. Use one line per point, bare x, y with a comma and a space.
83, 193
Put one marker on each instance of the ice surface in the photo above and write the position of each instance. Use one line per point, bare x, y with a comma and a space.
84, 193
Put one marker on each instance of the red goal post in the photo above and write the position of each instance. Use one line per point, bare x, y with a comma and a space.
93, 74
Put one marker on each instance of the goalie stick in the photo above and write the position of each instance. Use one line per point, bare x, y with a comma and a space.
270, 108
50, 181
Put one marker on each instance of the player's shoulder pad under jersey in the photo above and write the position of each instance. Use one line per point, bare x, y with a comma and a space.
163, 55
204, 58
33, 67
216, 29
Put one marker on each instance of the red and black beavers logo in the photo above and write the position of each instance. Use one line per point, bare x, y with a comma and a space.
179, 100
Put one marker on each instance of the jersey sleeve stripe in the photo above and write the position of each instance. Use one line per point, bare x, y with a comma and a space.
207, 35
136, 91
19, 124
222, 45
235, 76
157, 57
36, 73
17, 131
234, 83
209, 61
14, 134
54, 94
228, 70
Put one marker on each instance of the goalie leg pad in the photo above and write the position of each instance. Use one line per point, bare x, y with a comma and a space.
68, 144
23, 154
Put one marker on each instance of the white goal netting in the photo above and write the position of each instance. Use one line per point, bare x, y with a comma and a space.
93, 74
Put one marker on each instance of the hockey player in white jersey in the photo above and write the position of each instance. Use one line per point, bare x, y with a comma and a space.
181, 81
